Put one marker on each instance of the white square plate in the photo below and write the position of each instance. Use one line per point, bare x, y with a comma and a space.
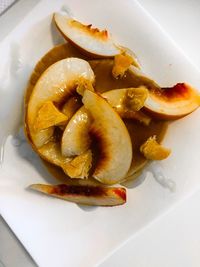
58, 233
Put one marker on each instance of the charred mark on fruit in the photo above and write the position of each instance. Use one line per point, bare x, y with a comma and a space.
89, 191
121, 192
178, 91
100, 148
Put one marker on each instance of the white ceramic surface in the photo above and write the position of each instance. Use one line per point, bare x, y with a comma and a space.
53, 230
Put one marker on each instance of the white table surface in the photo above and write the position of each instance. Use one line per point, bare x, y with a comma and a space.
174, 239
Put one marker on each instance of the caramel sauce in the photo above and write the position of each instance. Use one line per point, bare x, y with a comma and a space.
104, 81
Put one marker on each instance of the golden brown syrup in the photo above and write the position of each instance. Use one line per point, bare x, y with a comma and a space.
104, 81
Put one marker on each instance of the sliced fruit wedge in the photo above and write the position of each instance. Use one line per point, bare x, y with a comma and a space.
112, 138
76, 139
90, 40
85, 195
57, 82
174, 102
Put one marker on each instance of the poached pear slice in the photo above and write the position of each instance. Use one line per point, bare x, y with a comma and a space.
91, 40
75, 139
174, 102
84, 194
57, 82
112, 138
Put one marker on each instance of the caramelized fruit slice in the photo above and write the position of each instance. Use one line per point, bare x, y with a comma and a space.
89, 39
85, 195
57, 82
174, 102
112, 137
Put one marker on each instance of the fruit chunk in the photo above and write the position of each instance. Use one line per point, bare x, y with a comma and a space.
172, 103
127, 99
48, 115
112, 137
79, 166
85, 195
154, 151
127, 51
57, 82
121, 64
89, 39
127, 102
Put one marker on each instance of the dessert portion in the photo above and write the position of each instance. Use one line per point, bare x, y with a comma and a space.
94, 118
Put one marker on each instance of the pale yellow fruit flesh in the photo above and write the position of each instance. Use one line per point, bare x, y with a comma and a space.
48, 115
75, 139
84, 194
122, 62
173, 108
152, 150
112, 134
57, 82
79, 166
168, 108
127, 98
91, 40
